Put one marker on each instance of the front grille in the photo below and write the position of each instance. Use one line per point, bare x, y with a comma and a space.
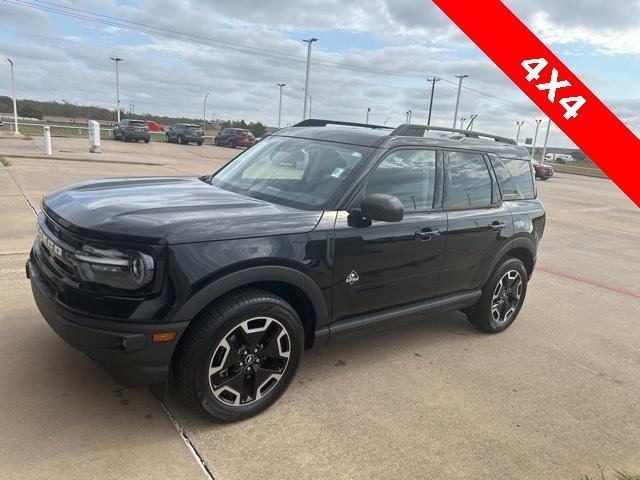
56, 247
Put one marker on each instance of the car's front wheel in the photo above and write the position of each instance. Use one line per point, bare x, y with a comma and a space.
240, 354
502, 297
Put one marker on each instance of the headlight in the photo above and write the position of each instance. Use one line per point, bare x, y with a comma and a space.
116, 268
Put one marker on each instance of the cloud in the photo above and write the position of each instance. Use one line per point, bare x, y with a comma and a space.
168, 76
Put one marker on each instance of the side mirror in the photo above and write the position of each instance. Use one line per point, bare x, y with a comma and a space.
385, 208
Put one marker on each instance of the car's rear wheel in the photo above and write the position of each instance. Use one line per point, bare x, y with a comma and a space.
166, 138
232, 144
180, 140
146, 140
200, 143
240, 355
502, 297
215, 142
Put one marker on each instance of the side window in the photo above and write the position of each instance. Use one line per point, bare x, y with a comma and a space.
514, 177
408, 175
467, 182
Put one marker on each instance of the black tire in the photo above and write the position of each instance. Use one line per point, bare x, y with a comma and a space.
498, 302
202, 349
544, 179
200, 143
232, 144
215, 142
167, 139
180, 140
125, 138
146, 140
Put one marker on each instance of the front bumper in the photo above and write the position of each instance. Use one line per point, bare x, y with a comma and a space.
126, 350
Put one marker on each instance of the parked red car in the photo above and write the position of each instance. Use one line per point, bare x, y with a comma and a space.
154, 126
543, 172
234, 137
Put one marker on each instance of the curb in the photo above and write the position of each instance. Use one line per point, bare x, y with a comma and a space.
86, 160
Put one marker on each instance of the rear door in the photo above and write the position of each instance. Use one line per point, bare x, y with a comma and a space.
479, 224
378, 265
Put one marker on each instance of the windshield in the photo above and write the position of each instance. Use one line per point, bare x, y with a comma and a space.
297, 172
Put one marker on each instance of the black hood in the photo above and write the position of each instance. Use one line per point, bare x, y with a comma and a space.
171, 209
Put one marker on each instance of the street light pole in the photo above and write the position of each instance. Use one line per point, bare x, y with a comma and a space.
306, 79
204, 113
366, 121
462, 119
13, 92
535, 138
546, 139
408, 116
433, 81
117, 60
455, 113
519, 127
280, 103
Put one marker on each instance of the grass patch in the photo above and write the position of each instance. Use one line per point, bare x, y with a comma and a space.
4, 161
27, 137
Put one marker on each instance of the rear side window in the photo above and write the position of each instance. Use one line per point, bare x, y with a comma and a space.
467, 182
514, 177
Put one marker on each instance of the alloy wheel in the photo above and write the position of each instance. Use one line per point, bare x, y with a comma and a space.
506, 296
249, 361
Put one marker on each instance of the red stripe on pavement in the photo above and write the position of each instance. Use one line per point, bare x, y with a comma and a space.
556, 90
588, 281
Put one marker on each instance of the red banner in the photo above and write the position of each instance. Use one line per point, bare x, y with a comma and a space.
552, 87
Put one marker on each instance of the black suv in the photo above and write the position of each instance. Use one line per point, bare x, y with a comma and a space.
184, 133
131, 130
317, 231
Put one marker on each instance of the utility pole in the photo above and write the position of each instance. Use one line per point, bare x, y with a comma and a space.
535, 138
310, 100
366, 120
433, 81
280, 103
204, 113
462, 119
117, 60
546, 139
519, 124
13, 93
455, 113
309, 42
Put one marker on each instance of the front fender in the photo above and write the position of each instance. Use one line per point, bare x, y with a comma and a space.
197, 302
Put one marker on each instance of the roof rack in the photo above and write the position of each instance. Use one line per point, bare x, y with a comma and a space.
314, 122
409, 130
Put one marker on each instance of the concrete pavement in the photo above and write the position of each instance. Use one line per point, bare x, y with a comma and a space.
553, 397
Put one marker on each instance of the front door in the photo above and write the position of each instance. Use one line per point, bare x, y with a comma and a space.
378, 265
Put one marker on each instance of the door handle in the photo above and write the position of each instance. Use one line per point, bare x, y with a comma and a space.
495, 226
427, 234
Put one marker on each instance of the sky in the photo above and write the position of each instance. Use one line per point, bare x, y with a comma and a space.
375, 54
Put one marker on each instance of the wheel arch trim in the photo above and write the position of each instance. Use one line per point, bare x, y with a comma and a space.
520, 243
214, 290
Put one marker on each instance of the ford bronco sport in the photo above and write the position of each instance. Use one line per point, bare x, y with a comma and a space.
317, 231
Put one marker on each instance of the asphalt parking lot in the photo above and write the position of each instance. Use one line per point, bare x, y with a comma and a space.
553, 397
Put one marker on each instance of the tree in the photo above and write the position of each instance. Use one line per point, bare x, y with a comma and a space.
28, 110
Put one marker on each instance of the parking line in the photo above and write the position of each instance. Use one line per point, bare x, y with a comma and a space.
588, 281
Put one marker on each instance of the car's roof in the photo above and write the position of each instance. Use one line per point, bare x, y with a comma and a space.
383, 138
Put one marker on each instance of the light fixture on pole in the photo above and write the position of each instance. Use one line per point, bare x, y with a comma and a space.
535, 138
473, 117
306, 79
204, 113
117, 60
519, 124
280, 103
366, 120
13, 93
408, 116
433, 81
455, 113
462, 119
